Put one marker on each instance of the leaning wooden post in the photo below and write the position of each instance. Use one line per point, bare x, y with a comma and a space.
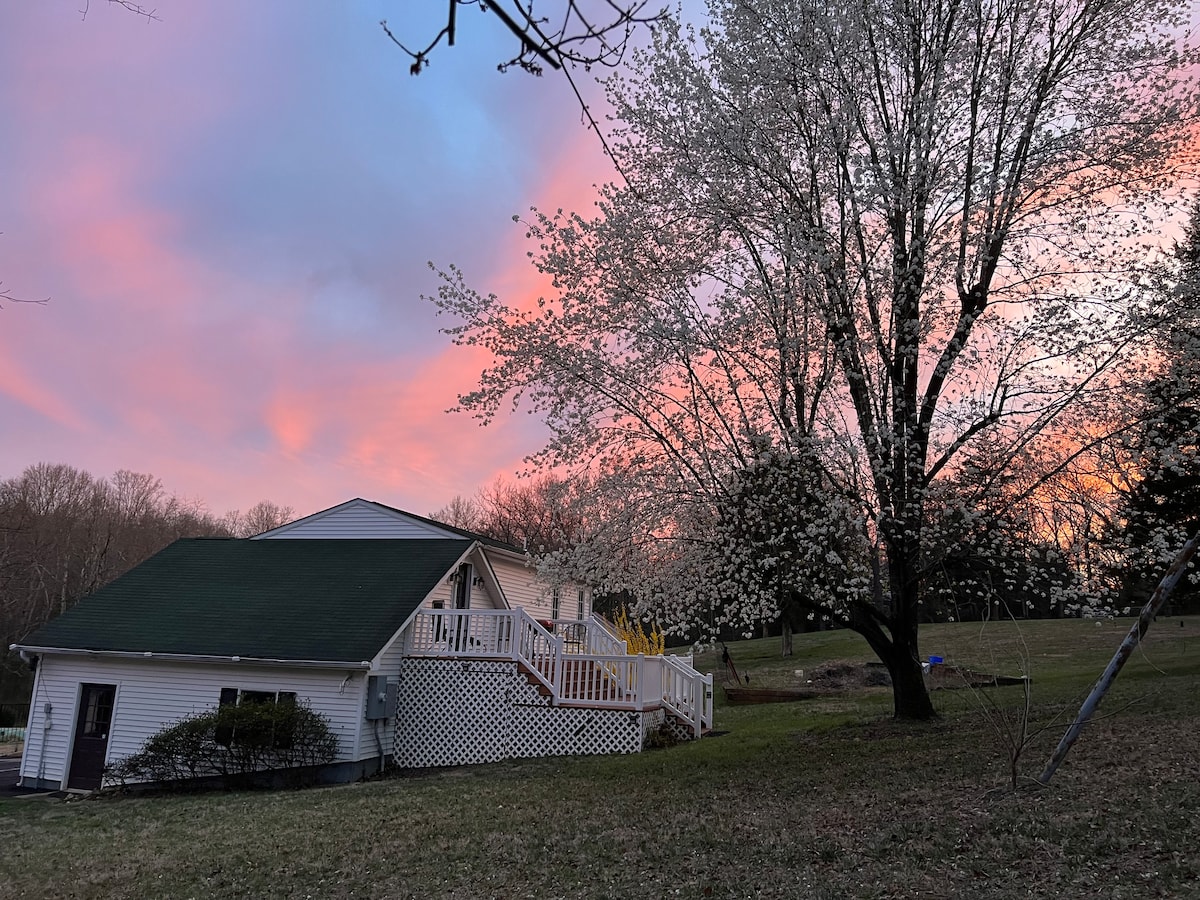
1136, 633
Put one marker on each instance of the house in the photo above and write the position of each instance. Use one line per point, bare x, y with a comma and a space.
422, 644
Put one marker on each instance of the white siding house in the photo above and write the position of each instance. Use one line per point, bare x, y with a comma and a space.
449, 631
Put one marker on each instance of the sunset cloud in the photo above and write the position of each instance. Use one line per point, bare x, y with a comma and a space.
231, 209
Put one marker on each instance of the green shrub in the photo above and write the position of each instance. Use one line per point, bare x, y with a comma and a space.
236, 746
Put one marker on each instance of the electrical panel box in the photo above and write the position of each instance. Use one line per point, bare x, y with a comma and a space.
381, 697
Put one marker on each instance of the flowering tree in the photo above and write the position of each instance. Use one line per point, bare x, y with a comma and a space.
858, 238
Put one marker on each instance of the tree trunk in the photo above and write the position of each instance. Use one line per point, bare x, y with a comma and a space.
910, 695
909, 692
786, 638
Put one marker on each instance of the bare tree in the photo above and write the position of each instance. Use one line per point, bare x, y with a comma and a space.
541, 514
64, 533
461, 512
262, 516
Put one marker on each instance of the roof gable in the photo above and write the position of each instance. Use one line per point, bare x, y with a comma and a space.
367, 519
314, 600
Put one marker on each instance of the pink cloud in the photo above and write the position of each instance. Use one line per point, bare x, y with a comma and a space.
17, 384
291, 420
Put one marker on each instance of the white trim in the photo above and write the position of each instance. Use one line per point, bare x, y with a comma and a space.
515, 555
361, 720
69, 757
374, 664
359, 503
399, 631
34, 711
112, 727
200, 657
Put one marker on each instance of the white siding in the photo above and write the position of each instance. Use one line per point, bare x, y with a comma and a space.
359, 519
153, 694
387, 664
525, 589
521, 585
481, 598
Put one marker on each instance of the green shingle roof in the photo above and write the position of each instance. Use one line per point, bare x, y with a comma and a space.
335, 600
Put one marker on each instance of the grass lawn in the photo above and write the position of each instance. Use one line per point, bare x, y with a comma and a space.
820, 798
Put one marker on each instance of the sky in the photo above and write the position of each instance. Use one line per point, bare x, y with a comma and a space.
231, 209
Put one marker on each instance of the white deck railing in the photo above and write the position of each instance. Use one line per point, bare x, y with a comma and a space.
592, 636
487, 634
581, 664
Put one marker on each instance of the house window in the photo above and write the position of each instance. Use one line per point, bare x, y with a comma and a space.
555, 602
581, 599
228, 735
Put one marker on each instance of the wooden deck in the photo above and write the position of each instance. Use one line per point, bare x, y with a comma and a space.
581, 664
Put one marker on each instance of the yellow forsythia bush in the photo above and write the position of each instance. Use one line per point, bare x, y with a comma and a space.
633, 633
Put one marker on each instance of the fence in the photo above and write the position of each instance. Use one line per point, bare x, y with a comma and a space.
14, 715
12, 735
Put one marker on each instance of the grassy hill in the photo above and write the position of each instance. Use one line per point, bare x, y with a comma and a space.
822, 798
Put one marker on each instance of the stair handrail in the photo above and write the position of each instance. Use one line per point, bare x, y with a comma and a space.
687, 694
529, 632
602, 637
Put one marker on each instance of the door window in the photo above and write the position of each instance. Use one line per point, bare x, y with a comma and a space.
97, 714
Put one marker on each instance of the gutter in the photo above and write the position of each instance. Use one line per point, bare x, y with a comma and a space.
25, 649
523, 556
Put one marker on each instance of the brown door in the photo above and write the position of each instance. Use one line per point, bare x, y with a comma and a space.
91, 735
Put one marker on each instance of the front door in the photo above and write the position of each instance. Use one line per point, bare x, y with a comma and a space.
91, 735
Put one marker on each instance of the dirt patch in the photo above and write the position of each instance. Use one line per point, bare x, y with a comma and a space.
835, 676
843, 675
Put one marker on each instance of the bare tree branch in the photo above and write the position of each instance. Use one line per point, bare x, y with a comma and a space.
136, 8
587, 34
8, 295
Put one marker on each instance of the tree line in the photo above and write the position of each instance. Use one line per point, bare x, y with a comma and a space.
65, 532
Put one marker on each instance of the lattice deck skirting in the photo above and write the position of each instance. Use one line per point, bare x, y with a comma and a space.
457, 712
